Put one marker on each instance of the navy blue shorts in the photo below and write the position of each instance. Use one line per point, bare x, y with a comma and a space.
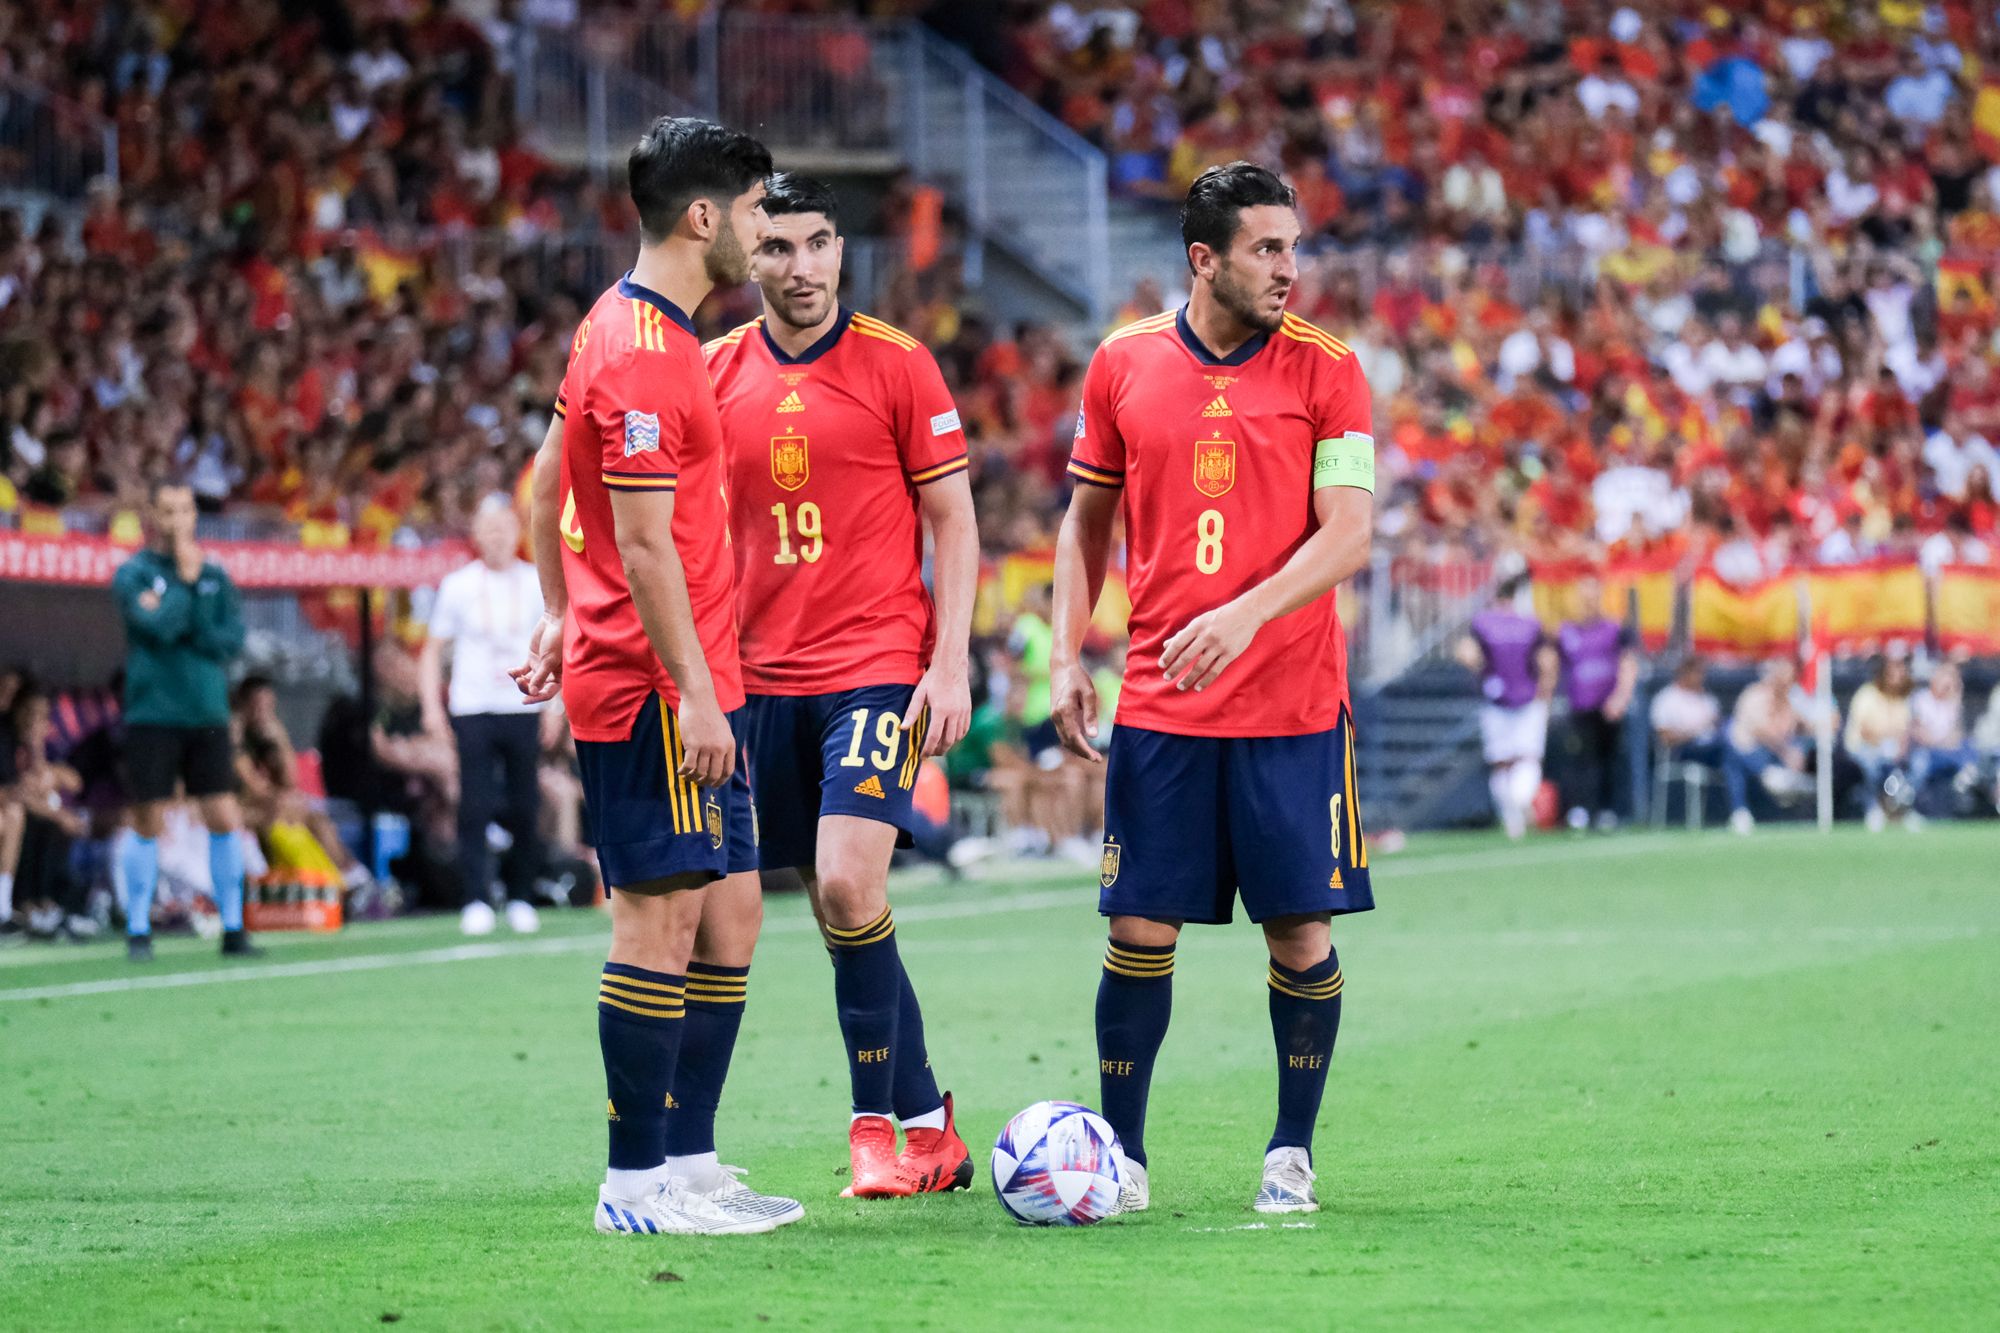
648, 822
1192, 821
831, 754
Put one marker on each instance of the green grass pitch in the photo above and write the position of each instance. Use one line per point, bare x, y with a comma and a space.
1684, 1081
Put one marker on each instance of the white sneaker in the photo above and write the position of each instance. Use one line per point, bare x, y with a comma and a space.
522, 918
1288, 1183
476, 919
1913, 822
670, 1210
1741, 822
738, 1200
1876, 819
1135, 1192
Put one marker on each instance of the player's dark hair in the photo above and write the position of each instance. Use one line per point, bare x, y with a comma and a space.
1217, 198
789, 192
680, 159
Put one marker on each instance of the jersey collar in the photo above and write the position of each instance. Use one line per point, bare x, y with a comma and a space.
819, 349
1254, 345
632, 291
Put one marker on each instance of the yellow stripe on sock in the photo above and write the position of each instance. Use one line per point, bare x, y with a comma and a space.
643, 1012
640, 983
838, 933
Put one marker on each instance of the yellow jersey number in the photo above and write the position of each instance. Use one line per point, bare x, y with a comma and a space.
1208, 542
806, 517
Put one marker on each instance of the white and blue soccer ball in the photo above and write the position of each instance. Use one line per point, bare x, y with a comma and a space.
1056, 1165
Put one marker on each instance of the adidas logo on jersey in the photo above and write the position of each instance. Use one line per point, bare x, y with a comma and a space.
1218, 408
871, 787
792, 403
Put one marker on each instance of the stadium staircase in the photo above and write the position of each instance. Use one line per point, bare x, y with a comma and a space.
1417, 742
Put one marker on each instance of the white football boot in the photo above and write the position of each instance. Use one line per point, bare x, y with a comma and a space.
738, 1200
522, 918
670, 1210
1288, 1183
477, 918
1135, 1192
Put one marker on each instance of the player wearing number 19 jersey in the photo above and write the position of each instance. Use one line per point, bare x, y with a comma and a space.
1235, 438
843, 442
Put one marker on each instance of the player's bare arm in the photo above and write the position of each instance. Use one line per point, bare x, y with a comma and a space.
1083, 552
946, 687
644, 523
540, 678
1197, 655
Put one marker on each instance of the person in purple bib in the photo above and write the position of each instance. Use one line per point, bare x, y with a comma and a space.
1600, 667
1517, 677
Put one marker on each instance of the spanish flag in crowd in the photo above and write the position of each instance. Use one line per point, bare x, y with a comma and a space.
1861, 607
1558, 594
1757, 620
1968, 608
1986, 119
1962, 278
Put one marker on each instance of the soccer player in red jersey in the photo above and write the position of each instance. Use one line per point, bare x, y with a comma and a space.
631, 541
1236, 439
843, 442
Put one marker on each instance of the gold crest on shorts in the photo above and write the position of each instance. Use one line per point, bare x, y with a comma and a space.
714, 812
1214, 467
1107, 868
789, 466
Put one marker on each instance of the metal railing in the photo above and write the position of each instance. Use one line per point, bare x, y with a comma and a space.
1404, 613
848, 88
50, 144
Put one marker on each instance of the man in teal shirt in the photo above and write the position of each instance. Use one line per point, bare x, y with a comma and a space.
183, 626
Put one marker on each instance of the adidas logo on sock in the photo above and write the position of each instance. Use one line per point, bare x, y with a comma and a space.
1218, 408
792, 403
871, 787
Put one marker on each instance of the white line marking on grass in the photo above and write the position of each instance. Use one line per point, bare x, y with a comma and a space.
1253, 1226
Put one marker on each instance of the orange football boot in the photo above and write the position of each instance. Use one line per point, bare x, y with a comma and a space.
935, 1161
871, 1147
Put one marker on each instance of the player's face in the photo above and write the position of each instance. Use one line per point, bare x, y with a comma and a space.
1253, 280
797, 265
496, 533
728, 258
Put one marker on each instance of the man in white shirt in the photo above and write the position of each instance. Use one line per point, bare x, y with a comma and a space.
482, 615
1686, 718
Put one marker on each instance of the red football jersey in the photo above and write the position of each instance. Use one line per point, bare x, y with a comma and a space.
638, 415
826, 452
1215, 456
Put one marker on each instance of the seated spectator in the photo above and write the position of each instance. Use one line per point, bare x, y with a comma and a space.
1938, 744
49, 892
1878, 732
1687, 719
290, 825
1986, 743
1766, 741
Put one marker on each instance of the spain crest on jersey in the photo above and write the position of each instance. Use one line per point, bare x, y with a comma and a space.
789, 466
1214, 467
1107, 868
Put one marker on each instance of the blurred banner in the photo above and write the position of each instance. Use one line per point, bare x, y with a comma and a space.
1753, 620
1560, 594
1858, 608
91, 561
1968, 609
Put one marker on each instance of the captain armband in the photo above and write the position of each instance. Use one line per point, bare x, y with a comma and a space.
1347, 461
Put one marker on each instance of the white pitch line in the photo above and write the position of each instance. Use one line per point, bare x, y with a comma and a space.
1498, 859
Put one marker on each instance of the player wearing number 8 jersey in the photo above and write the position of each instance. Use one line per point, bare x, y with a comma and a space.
1236, 439
843, 442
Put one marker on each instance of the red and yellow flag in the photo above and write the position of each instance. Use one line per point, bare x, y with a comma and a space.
1861, 607
1757, 620
1968, 608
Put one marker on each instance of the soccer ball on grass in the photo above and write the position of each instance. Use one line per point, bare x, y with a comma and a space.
1056, 1164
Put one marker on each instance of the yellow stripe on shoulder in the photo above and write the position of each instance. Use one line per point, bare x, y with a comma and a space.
1151, 324
1303, 331
875, 328
731, 338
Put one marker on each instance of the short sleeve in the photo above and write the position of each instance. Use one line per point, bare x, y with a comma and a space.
1341, 404
638, 405
445, 615
1097, 456
930, 436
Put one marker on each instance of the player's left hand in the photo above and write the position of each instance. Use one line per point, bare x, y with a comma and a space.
947, 692
1211, 641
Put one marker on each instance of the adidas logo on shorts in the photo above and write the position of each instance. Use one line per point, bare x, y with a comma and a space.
871, 787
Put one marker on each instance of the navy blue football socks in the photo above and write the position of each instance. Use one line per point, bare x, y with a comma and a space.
715, 999
1305, 1019
867, 991
916, 1090
1135, 998
640, 1017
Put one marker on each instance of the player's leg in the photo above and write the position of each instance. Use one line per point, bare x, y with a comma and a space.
152, 763
209, 774
477, 804
1165, 862
1302, 857
850, 896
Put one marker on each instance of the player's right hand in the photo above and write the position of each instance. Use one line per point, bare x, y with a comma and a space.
708, 748
1073, 700
540, 677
